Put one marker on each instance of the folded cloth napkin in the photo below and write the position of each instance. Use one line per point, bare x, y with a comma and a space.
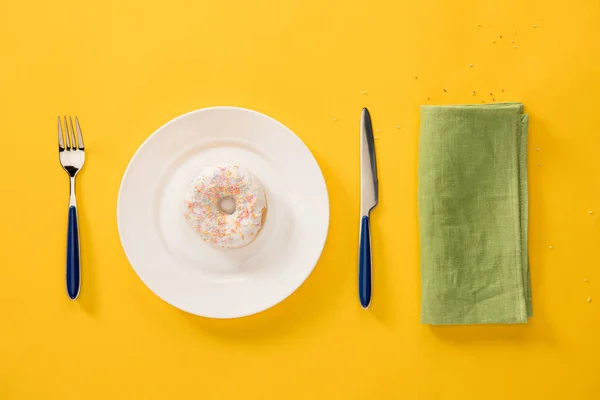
473, 214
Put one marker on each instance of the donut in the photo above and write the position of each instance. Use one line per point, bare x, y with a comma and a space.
226, 206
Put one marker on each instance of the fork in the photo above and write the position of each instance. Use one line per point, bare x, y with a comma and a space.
72, 157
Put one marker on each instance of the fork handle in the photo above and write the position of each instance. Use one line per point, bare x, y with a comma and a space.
73, 266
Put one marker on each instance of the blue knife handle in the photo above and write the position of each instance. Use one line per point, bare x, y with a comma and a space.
364, 263
73, 266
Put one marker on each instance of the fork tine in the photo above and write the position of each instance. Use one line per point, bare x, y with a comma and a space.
73, 142
61, 145
67, 135
72, 131
79, 134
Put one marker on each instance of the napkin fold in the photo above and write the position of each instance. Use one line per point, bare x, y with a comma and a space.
473, 214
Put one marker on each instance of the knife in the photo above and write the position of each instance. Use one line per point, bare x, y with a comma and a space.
369, 197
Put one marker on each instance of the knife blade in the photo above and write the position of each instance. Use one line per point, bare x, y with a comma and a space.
369, 197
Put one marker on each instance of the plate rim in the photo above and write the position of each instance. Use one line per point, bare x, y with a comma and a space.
208, 109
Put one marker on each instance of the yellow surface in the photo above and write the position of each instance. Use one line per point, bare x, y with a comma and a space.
128, 67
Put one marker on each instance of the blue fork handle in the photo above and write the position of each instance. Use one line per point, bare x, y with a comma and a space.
73, 266
365, 276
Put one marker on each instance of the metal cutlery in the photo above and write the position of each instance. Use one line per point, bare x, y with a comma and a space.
72, 157
369, 189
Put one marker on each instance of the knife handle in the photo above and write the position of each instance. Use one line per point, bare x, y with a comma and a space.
364, 263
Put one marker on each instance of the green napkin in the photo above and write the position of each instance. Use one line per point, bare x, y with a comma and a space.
473, 214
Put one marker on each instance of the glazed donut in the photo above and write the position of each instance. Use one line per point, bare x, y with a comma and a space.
226, 205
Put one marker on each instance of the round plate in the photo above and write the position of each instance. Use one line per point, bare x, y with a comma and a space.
172, 260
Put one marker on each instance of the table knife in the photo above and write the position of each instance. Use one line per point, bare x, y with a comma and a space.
369, 197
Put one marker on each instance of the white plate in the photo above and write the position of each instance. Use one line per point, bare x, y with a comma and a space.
174, 262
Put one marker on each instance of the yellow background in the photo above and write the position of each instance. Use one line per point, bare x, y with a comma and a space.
127, 67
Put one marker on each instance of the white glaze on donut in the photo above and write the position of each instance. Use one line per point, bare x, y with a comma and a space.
217, 225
